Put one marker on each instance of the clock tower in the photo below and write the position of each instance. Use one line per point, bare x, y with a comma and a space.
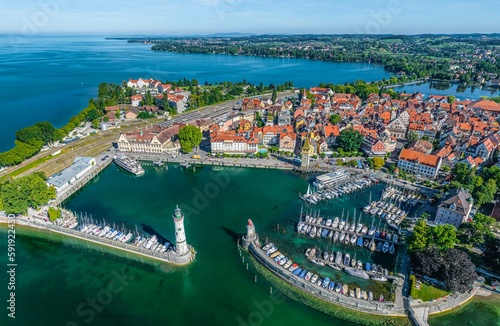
182, 247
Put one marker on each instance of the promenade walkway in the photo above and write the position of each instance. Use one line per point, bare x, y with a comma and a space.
421, 310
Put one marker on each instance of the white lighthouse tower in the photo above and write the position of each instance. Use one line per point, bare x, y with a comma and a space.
182, 247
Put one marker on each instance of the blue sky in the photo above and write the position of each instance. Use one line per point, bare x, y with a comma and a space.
124, 17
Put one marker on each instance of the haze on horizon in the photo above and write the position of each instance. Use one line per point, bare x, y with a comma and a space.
125, 17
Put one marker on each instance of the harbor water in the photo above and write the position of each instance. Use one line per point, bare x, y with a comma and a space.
56, 275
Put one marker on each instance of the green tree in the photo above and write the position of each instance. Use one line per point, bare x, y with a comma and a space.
274, 96
420, 236
463, 174
28, 191
485, 192
335, 119
378, 163
95, 124
412, 135
189, 137
443, 236
54, 213
451, 99
350, 140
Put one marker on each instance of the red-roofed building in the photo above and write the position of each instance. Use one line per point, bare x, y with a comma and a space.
419, 164
231, 142
136, 99
155, 139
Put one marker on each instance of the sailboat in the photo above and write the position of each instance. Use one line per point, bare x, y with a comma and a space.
367, 208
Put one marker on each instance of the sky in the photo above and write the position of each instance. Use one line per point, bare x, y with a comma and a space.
187, 17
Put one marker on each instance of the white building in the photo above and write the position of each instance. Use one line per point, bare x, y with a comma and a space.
454, 209
233, 143
68, 176
420, 164
154, 139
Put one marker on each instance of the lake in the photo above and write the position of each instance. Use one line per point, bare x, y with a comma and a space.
52, 78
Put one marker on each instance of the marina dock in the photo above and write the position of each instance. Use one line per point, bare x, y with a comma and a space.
304, 221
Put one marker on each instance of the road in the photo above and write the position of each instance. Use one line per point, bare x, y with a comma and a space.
102, 141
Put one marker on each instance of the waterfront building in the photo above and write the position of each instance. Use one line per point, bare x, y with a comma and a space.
156, 139
455, 208
420, 164
232, 142
331, 179
68, 176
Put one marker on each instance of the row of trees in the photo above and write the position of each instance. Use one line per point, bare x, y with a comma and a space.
28, 191
482, 186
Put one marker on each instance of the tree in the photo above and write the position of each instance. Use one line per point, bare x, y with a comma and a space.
54, 213
189, 137
350, 140
378, 163
274, 97
451, 99
491, 254
412, 135
95, 124
419, 238
463, 174
492, 173
453, 267
335, 119
478, 230
485, 192
443, 236
28, 191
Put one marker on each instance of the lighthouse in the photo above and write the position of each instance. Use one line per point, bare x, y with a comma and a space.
250, 237
182, 247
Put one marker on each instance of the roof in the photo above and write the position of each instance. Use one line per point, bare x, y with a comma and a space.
421, 158
486, 105
460, 199
65, 176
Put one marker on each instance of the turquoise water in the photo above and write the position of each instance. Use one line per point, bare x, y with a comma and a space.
56, 277
52, 78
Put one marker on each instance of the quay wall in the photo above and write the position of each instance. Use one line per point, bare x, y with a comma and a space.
167, 257
80, 183
369, 307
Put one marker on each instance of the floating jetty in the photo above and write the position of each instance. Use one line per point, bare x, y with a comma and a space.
343, 185
347, 232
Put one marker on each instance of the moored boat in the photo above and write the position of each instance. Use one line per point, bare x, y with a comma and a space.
357, 272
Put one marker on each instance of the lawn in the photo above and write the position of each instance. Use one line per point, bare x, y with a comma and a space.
426, 292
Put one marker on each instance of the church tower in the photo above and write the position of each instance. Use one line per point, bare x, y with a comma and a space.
306, 153
180, 235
